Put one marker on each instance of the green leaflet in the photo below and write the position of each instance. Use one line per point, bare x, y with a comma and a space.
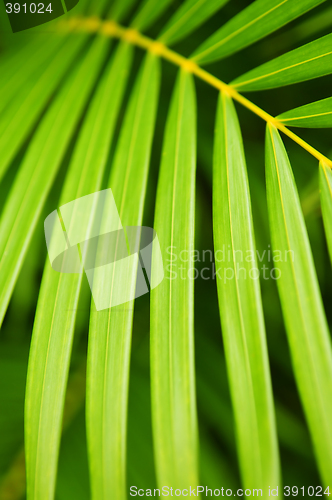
58, 299
301, 302
314, 115
251, 24
22, 113
305, 63
39, 167
240, 306
188, 17
172, 302
110, 329
325, 184
149, 11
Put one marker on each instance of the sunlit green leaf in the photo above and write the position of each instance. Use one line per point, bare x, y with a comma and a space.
57, 306
314, 115
110, 329
172, 302
251, 24
190, 15
308, 335
39, 167
62, 124
306, 62
325, 184
240, 306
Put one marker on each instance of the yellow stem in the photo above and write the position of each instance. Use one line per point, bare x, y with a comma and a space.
112, 29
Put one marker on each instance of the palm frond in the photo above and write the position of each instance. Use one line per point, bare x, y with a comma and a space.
70, 108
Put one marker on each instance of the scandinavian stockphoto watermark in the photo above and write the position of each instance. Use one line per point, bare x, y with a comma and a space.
87, 235
225, 264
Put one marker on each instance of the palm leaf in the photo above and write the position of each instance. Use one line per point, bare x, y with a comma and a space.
314, 115
306, 62
56, 311
110, 329
241, 307
301, 302
251, 24
46, 114
172, 302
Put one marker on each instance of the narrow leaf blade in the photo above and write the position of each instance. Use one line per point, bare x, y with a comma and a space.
261, 18
172, 302
240, 305
305, 63
189, 16
58, 299
301, 302
110, 329
39, 167
314, 115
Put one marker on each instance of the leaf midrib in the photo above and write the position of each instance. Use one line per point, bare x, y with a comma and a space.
189, 65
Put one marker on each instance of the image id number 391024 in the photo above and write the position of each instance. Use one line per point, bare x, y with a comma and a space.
311, 491
33, 8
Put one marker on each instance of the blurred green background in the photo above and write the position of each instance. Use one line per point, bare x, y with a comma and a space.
218, 462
